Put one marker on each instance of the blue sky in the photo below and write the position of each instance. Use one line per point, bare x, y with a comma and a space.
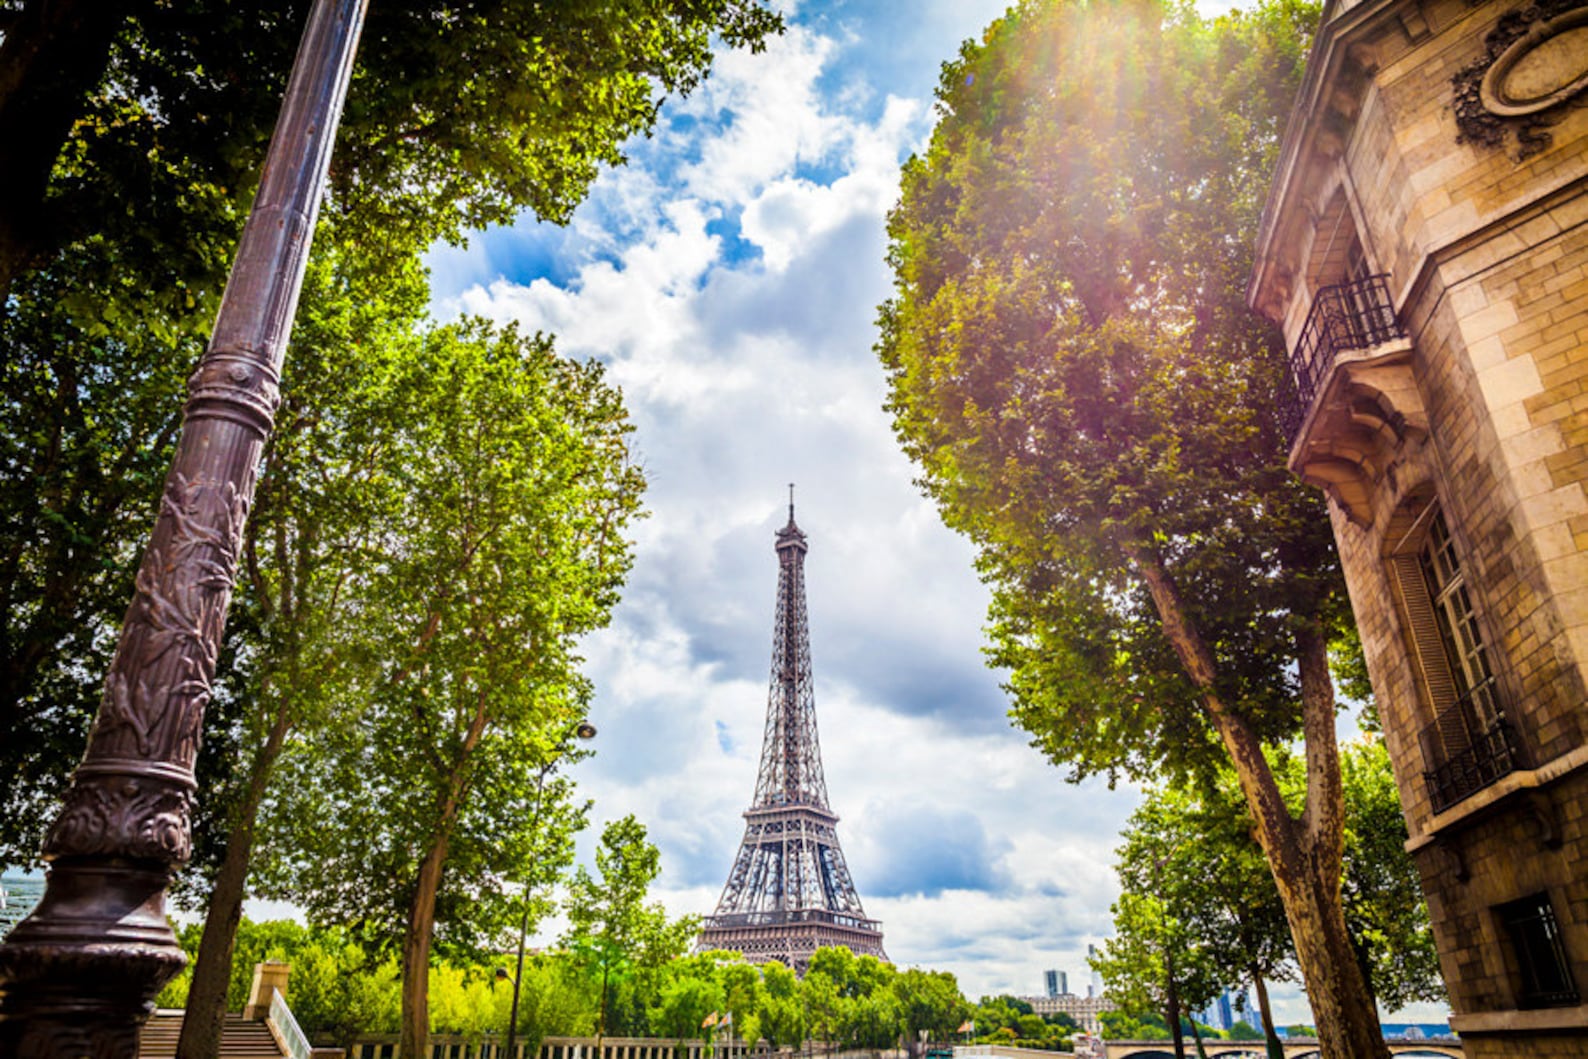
729, 277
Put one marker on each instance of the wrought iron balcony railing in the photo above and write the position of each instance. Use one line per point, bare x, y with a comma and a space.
1346, 316
1489, 752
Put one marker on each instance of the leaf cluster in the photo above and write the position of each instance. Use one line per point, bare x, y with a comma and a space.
505, 489
1073, 368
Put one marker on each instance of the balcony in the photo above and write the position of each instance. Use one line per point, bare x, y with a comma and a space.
1356, 402
1346, 316
1474, 755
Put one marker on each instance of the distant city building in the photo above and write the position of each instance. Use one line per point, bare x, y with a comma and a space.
1220, 1013
1086, 1010
1057, 982
18, 894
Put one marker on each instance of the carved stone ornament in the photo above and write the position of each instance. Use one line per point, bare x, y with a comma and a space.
1534, 65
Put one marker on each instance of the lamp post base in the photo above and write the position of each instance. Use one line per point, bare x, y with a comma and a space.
79, 976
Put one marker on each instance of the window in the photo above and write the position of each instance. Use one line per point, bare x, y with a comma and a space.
1544, 973
1459, 638
1469, 744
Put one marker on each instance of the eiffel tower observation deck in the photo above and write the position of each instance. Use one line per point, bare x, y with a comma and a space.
789, 892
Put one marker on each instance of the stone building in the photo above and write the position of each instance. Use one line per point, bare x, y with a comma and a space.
1425, 248
1087, 1011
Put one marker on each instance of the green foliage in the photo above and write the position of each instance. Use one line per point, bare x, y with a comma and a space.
338, 988
1141, 1026
1384, 905
342, 987
1072, 366
612, 929
512, 488
1244, 1031
455, 119
782, 1017
1193, 877
1010, 1020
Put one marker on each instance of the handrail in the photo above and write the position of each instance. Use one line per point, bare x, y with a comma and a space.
288, 1032
1345, 316
1481, 757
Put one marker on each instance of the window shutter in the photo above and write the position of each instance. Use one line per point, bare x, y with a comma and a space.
1433, 668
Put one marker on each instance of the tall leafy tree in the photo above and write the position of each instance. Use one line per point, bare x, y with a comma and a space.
1156, 962
612, 927
322, 518
1192, 875
512, 465
1072, 365
1192, 852
134, 132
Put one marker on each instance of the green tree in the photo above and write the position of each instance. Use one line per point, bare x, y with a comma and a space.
134, 133
516, 486
690, 991
1194, 851
324, 503
1195, 854
1072, 365
1384, 904
554, 1001
611, 927
516, 108
929, 1003
1156, 962
782, 1016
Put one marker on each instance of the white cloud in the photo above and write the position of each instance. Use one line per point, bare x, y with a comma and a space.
775, 117
729, 279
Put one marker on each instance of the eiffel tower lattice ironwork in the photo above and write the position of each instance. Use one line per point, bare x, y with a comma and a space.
789, 892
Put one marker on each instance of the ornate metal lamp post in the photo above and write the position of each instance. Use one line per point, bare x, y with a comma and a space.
78, 977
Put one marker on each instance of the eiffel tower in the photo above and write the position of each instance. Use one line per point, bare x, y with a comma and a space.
789, 892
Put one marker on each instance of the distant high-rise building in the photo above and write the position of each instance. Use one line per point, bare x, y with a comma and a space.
1220, 1012
1057, 982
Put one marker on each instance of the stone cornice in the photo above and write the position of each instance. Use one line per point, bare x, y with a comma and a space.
1307, 131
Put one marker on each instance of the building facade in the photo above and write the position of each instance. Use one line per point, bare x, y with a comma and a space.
1087, 1011
1425, 249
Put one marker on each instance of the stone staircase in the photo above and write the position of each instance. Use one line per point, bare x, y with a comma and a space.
240, 1038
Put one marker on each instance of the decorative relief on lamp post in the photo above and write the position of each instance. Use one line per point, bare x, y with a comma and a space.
1534, 64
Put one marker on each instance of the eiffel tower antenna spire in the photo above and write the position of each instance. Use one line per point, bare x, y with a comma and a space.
789, 891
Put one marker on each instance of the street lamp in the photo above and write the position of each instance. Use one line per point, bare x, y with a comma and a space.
582, 730
79, 975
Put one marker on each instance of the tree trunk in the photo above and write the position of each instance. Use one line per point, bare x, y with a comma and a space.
53, 55
414, 1042
1276, 1050
212, 972
1196, 1035
1305, 856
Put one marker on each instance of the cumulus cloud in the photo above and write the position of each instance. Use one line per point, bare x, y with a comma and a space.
729, 279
